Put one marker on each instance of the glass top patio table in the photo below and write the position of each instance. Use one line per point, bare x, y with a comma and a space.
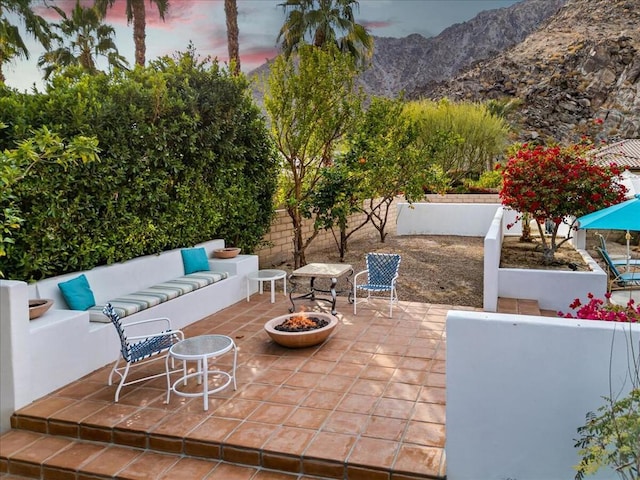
201, 349
267, 275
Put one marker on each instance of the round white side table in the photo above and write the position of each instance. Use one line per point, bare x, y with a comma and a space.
262, 276
201, 349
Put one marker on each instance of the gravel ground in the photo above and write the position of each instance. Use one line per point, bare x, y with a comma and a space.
436, 269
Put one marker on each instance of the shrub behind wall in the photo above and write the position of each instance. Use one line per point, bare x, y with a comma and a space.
185, 157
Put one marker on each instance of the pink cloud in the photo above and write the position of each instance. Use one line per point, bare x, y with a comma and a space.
372, 25
65, 5
218, 40
117, 14
258, 55
178, 13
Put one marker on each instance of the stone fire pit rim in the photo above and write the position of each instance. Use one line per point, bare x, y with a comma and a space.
306, 338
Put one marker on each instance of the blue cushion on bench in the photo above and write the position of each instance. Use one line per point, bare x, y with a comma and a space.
194, 260
77, 293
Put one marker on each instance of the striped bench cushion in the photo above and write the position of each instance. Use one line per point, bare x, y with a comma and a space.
157, 294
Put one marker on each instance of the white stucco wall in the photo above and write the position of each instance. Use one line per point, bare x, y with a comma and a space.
492, 252
518, 387
464, 219
553, 289
14, 349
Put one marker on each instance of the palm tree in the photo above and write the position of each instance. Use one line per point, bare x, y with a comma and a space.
136, 13
83, 38
11, 43
231, 13
324, 21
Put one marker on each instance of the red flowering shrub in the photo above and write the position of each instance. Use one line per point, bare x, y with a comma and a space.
598, 309
554, 183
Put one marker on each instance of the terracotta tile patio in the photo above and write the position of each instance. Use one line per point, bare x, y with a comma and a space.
367, 404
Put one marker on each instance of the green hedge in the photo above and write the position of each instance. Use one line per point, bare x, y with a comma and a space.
185, 157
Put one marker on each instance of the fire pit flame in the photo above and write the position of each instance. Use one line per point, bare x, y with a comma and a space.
301, 322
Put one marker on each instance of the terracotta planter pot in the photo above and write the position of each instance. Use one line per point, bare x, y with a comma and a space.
228, 252
37, 307
301, 339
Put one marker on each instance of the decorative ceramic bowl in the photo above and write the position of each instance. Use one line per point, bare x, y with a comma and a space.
302, 339
228, 252
38, 307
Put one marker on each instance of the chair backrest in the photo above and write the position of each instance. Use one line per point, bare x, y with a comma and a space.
603, 242
610, 265
383, 267
125, 349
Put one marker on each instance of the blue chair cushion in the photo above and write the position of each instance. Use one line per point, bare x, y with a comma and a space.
77, 293
194, 260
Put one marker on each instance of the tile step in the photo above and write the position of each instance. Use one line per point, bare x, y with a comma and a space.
518, 306
27, 454
38, 448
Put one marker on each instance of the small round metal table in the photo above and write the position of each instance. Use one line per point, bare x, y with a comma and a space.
262, 276
201, 349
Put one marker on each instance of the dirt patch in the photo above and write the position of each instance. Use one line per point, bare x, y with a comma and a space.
517, 254
448, 270
434, 269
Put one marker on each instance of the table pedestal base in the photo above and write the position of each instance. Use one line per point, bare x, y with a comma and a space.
314, 271
204, 374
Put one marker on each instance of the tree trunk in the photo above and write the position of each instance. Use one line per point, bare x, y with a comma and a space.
86, 61
343, 240
319, 38
379, 216
548, 255
2, 79
298, 243
526, 228
139, 26
231, 13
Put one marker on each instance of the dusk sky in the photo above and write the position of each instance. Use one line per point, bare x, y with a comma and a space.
203, 23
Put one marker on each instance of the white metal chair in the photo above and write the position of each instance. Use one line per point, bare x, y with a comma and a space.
382, 273
140, 350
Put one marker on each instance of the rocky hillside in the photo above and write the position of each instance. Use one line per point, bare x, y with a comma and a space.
401, 64
579, 73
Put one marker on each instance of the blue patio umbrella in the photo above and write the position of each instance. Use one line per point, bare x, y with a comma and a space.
621, 216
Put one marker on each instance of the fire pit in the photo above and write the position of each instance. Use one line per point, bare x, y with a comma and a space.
302, 329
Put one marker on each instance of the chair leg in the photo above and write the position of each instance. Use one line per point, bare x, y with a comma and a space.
393, 298
355, 300
166, 367
114, 370
235, 364
121, 384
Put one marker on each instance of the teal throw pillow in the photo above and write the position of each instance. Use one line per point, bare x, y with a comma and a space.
77, 293
194, 260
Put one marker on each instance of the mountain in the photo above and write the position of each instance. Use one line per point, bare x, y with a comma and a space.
402, 64
579, 73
